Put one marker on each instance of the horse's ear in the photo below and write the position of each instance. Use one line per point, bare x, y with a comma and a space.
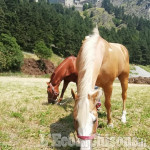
95, 95
74, 95
100, 93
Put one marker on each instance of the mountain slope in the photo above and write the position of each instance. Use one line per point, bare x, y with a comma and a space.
99, 16
139, 8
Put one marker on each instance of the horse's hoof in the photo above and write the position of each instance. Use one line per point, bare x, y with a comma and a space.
110, 125
57, 103
123, 119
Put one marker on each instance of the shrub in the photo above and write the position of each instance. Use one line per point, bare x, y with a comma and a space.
42, 51
11, 56
3, 60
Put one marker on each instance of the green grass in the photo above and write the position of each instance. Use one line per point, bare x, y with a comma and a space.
147, 68
26, 121
55, 58
132, 67
30, 55
5, 147
17, 115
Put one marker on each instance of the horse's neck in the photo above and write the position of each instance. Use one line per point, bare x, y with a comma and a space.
89, 69
58, 76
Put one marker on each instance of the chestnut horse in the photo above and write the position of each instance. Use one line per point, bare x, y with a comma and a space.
98, 63
65, 71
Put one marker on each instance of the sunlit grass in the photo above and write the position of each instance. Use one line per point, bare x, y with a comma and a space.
25, 118
147, 67
30, 55
55, 58
132, 67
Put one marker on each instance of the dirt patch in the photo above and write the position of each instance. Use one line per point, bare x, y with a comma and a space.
37, 67
139, 80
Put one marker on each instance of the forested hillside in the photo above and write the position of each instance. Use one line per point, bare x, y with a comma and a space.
30, 22
26, 25
135, 36
131, 31
139, 8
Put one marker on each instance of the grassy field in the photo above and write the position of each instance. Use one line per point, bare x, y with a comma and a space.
147, 68
26, 121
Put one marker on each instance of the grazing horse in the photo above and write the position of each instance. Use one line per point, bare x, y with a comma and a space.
65, 71
98, 63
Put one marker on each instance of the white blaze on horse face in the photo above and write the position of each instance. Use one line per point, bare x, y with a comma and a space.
86, 131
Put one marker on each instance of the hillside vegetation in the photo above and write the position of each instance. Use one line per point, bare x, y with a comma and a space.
115, 26
32, 23
34, 26
139, 8
135, 35
100, 16
55, 59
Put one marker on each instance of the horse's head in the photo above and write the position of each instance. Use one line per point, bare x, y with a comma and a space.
86, 117
52, 92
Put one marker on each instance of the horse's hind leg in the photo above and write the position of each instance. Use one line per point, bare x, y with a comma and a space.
124, 84
108, 93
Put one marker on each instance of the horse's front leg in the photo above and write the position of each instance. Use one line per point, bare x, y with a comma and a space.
108, 93
63, 91
124, 84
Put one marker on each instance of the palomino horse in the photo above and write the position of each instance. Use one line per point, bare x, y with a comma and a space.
98, 63
65, 71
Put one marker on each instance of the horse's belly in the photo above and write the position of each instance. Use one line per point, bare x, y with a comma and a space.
71, 78
105, 78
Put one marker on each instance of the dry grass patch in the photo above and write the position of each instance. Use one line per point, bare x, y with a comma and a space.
26, 122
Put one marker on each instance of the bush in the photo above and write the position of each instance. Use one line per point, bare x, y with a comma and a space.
42, 51
11, 56
3, 60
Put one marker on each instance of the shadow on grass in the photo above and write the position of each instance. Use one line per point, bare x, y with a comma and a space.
65, 103
62, 133
101, 114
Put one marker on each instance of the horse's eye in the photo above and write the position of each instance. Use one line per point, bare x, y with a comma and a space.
48, 87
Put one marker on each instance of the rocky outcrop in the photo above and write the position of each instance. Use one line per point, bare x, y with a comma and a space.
139, 8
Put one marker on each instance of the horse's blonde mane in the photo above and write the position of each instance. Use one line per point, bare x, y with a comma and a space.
85, 76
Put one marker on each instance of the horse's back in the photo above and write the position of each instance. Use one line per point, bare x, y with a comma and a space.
122, 49
70, 69
115, 63
123, 58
